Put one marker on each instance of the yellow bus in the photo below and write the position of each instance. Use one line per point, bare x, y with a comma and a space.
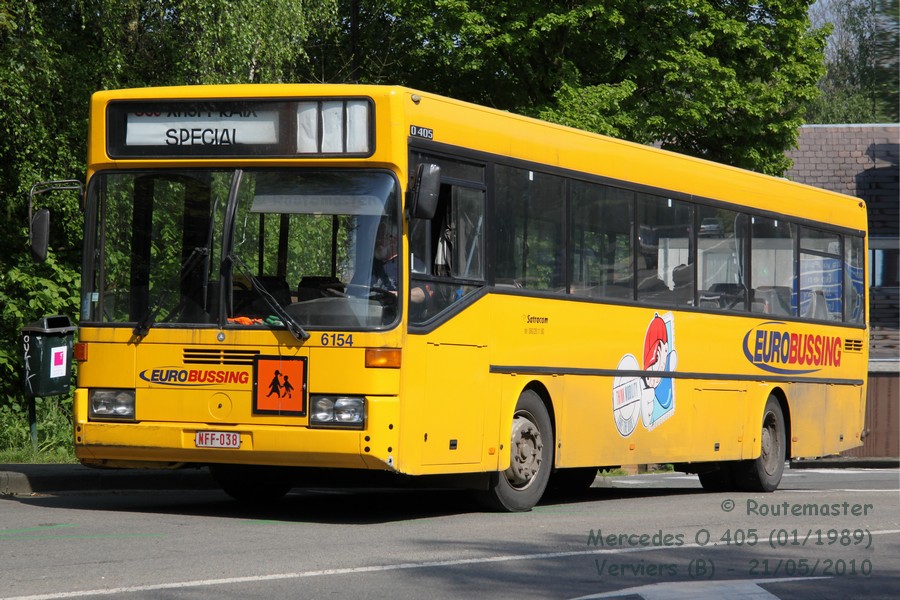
279, 278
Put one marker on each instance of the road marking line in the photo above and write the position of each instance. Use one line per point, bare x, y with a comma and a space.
358, 570
41, 528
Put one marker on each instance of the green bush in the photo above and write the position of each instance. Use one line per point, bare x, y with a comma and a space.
54, 430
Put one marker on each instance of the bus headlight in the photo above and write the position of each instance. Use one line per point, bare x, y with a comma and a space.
338, 411
111, 404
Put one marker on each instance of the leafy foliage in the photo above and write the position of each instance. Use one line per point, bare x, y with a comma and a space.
726, 80
53, 55
862, 79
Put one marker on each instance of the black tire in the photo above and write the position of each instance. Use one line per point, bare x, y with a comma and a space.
763, 474
252, 484
720, 479
521, 486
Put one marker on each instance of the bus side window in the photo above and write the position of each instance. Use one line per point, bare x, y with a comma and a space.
600, 237
854, 281
664, 243
447, 252
529, 216
821, 283
772, 261
460, 247
720, 250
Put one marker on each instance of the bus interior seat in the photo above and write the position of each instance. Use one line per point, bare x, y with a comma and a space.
817, 308
624, 291
278, 287
318, 286
683, 285
249, 302
728, 295
196, 310
775, 299
507, 283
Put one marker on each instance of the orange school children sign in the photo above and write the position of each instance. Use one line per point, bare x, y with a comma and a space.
279, 385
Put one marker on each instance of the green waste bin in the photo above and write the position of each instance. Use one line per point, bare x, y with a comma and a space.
47, 344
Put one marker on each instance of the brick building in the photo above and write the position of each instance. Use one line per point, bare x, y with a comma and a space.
864, 161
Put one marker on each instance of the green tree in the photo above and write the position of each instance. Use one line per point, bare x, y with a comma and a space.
722, 79
861, 59
53, 55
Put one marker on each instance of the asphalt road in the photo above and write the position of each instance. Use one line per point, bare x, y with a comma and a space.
824, 534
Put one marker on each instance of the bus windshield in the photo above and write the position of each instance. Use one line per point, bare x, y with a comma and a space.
229, 247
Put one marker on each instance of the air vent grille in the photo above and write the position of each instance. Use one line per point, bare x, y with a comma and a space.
853, 345
218, 356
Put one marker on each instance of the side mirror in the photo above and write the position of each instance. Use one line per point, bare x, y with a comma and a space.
425, 190
39, 234
39, 221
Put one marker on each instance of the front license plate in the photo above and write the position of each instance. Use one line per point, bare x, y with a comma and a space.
217, 439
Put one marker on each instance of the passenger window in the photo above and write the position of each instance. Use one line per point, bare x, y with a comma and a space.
664, 245
720, 252
854, 280
460, 247
530, 248
601, 264
447, 252
772, 259
821, 283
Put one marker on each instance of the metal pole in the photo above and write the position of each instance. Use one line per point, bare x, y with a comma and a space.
32, 422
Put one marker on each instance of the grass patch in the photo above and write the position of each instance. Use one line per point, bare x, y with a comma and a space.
617, 472
41, 457
53, 428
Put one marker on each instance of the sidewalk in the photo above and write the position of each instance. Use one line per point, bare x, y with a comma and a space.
846, 462
24, 479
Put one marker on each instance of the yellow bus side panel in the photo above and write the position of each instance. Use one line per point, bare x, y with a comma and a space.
449, 409
608, 414
825, 419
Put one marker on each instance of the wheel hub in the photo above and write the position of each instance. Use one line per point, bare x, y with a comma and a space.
525, 452
769, 450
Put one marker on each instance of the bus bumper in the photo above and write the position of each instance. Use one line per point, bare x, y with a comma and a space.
155, 444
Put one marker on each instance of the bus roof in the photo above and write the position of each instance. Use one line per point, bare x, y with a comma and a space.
486, 130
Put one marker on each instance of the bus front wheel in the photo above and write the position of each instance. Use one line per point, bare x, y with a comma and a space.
520, 486
763, 474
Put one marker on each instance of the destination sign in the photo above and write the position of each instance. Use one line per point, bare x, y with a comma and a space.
201, 128
240, 128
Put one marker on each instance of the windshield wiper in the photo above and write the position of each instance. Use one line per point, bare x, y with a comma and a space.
293, 326
209, 243
144, 325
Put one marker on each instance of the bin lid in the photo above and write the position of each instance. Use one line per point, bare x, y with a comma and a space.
51, 324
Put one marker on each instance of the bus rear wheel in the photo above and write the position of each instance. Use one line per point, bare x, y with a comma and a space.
252, 484
521, 486
763, 474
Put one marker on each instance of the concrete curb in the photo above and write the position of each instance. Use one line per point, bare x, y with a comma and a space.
25, 479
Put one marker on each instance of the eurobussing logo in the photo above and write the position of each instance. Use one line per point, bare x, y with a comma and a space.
772, 347
177, 376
